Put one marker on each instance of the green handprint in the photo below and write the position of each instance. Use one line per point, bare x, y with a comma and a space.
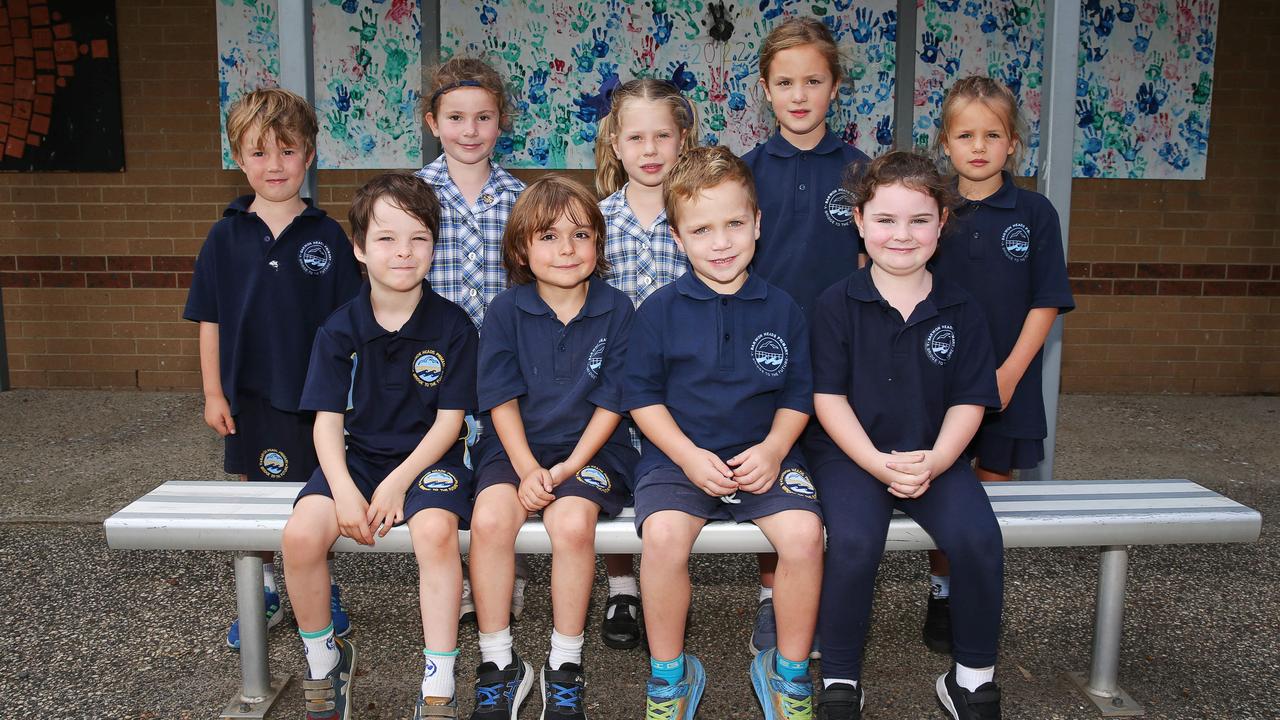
336, 123
397, 61
368, 25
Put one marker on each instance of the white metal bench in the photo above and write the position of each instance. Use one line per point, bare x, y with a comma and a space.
1109, 514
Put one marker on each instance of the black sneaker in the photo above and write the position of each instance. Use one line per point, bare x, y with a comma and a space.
500, 692
329, 698
620, 628
937, 625
562, 693
841, 701
962, 704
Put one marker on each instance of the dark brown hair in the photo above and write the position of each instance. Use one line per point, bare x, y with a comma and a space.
797, 32
702, 168
998, 98
541, 204
400, 189
462, 72
910, 169
274, 111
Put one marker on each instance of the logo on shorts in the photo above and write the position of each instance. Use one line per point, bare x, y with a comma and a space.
1015, 241
769, 352
315, 258
594, 477
795, 482
941, 344
438, 481
428, 368
273, 463
596, 359
839, 207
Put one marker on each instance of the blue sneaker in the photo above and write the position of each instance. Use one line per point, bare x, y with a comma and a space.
781, 699
676, 702
499, 693
274, 616
764, 633
329, 698
338, 613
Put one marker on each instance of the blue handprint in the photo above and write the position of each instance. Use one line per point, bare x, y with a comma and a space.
952, 65
1126, 11
681, 77
350, 6
539, 151
972, 9
1141, 38
1092, 52
737, 96
538, 87
1082, 86
1129, 149
948, 5
889, 28
1194, 133
865, 27
1205, 53
582, 54
1086, 114
865, 106
989, 24
662, 24
929, 53
1173, 154
1150, 98
884, 88
1104, 22
600, 42
1092, 140
587, 135
488, 15
342, 98
884, 132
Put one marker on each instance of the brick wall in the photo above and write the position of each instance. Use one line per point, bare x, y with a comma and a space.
1177, 282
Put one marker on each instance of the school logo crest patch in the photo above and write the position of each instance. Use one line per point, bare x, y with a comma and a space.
940, 345
594, 477
596, 359
1015, 241
273, 463
438, 481
839, 207
315, 258
428, 368
769, 353
796, 482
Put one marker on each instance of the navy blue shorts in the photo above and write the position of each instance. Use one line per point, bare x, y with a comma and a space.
270, 444
605, 481
443, 485
1001, 454
666, 487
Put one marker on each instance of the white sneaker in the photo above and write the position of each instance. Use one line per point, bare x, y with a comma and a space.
467, 610
517, 598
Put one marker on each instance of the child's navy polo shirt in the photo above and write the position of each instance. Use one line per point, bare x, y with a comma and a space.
721, 364
807, 236
268, 295
390, 384
560, 373
1006, 251
901, 377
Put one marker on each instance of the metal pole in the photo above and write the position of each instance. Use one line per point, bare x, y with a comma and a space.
295, 21
904, 82
1057, 136
257, 692
1102, 686
430, 10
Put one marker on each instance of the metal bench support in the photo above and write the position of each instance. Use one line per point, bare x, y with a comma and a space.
257, 691
1101, 686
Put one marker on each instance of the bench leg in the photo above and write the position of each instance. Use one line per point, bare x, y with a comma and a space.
257, 691
1101, 686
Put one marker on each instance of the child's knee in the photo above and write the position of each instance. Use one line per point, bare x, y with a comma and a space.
434, 533
575, 529
308, 533
495, 523
666, 538
802, 539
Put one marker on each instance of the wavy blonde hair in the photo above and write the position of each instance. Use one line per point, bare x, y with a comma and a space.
610, 175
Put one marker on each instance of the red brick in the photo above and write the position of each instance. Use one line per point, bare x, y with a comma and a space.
1113, 270
1181, 287
40, 262
62, 279
1158, 270
154, 280
87, 263
1081, 286
109, 280
20, 279
1202, 271
1225, 287
129, 263
184, 263
1248, 272
8, 262
1266, 289
1135, 287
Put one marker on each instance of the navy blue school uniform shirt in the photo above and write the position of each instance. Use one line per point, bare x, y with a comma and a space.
560, 373
391, 384
807, 236
723, 365
268, 295
900, 376
1006, 251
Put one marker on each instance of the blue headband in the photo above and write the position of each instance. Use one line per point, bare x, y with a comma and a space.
454, 86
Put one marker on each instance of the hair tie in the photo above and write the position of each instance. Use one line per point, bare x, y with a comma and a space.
684, 102
454, 86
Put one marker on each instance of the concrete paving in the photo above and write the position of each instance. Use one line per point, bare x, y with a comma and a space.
95, 633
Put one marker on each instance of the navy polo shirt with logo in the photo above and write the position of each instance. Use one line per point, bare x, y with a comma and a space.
560, 373
723, 365
1006, 251
390, 384
807, 236
268, 295
900, 376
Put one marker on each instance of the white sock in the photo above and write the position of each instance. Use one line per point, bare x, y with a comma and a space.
766, 594
321, 651
973, 678
623, 585
565, 649
495, 647
269, 577
828, 682
940, 586
437, 677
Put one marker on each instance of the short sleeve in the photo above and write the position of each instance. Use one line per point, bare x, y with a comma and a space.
328, 385
202, 298
499, 362
645, 377
608, 392
973, 379
797, 394
1050, 287
458, 391
830, 343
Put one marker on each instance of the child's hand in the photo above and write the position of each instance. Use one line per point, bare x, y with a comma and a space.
536, 490
386, 509
559, 473
1007, 382
352, 512
709, 473
914, 472
756, 468
217, 415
